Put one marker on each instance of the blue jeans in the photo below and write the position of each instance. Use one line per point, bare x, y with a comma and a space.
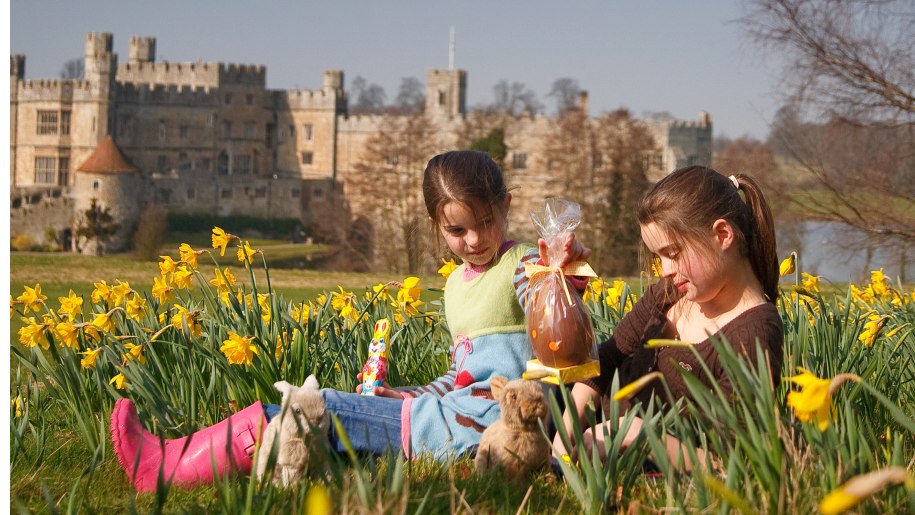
371, 423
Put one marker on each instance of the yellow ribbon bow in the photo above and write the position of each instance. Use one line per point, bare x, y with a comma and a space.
575, 268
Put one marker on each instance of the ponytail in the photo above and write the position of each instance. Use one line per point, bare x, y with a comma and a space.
761, 239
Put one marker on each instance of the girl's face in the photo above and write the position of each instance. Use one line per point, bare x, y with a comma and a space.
697, 273
475, 239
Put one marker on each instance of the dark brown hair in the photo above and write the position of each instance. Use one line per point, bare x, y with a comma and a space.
467, 177
687, 202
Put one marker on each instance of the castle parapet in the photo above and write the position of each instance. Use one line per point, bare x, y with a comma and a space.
50, 89
166, 94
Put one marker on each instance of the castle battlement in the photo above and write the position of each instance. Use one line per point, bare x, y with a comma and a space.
52, 89
243, 74
212, 74
305, 99
165, 93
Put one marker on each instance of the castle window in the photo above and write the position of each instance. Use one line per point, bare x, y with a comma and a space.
47, 122
63, 171
249, 99
292, 131
227, 130
226, 193
227, 99
317, 193
222, 164
191, 193
519, 161
249, 130
441, 98
96, 185
65, 122
306, 132
183, 131
260, 192
211, 120
392, 159
161, 129
45, 170
241, 164
183, 162
307, 158
162, 162
597, 161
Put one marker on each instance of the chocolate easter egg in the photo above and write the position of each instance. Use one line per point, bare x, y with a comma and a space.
560, 331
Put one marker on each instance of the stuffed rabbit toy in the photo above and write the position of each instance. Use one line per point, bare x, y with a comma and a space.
515, 443
298, 432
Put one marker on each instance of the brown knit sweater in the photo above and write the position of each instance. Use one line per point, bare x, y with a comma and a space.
625, 350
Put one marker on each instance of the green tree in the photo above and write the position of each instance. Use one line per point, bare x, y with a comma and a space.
493, 144
97, 225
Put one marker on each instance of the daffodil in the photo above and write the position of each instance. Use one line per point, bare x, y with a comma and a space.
593, 290
238, 349
872, 329
68, 334
167, 266
788, 265
32, 298
17, 403
101, 293
615, 293
318, 501
119, 381
408, 296
223, 280
263, 301
813, 402
135, 307
447, 267
90, 356
220, 239
628, 391
162, 291
190, 318
656, 269
343, 302
119, 293
32, 334
379, 292
187, 254
880, 283
70, 306
810, 283
245, 253
860, 487
183, 277
134, 352
104, 322
299, 312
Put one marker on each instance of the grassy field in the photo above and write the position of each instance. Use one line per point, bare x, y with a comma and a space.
771, 454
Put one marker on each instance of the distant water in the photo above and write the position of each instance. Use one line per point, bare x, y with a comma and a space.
839, 254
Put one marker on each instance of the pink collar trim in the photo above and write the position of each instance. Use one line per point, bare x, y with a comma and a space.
471, 272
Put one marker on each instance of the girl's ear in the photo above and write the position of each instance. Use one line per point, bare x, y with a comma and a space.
507, 202
724, 233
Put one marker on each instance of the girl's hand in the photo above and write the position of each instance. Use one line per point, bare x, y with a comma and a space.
572, 250
380, 391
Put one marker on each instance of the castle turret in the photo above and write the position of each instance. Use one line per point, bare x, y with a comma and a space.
142, 50
17, 67
446, 93
101, 68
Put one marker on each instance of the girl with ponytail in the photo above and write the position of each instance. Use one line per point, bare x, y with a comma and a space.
715, 241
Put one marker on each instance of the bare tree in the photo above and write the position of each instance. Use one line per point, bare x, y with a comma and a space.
566, 91
514, 99
386, 191
367, 98
73, 69
411, 96
848, 119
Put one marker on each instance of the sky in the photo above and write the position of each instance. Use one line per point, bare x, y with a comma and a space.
666, 55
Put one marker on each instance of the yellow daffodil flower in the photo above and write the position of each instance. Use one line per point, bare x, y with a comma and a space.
813, 402
318, 501
134, 352
594, 290
32, 334
101, 293
379, 292
788, 265
191, 318
224, 280
299, 312
656, 269
264, 303
68, 334
880, 283
220, 239
104, 322
162, 291
238, 349
167, 266
17, 403
408, 296
90, 356
187, 254
628, 391
245, 254
183, 277
135, 307
810, 283
119, 292
447, 267
119, 381
860, 487
32, 298
872, 330
70, 306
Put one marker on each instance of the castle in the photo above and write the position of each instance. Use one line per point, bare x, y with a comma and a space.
209, 137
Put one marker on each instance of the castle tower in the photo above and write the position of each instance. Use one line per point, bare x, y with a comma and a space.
141, 50
101, 68
333, 85
107, 177
446, 93
17, 73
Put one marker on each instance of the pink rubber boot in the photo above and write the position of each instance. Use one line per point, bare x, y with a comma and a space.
187, 461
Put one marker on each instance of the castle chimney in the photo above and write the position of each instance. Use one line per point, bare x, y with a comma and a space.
17, 66
583, 102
